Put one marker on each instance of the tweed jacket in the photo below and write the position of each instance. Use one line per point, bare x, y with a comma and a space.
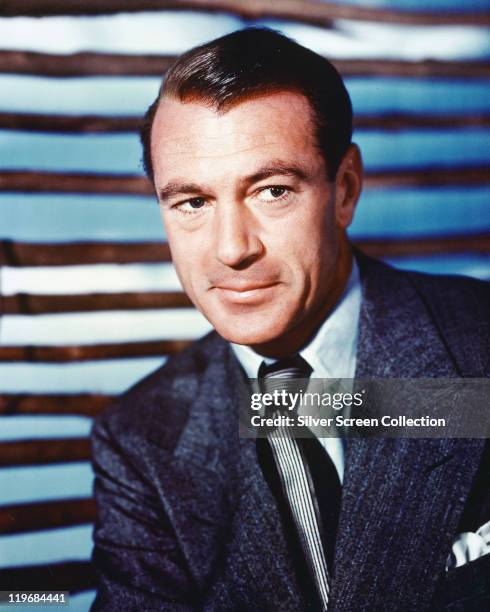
186, 520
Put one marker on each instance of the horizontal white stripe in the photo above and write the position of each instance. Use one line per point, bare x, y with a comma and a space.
51, 546
378, 40
72, 280
108, 376
175, 32
101, 278
101, 327
20, 485
151, 32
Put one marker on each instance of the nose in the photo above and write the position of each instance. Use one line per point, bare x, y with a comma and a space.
237, 242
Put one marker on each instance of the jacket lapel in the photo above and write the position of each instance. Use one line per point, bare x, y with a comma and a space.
195, 485
259, 539
402, 498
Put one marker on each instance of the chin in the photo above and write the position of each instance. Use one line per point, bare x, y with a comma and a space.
249, 335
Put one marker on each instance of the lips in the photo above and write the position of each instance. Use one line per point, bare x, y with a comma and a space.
244, 288
241, 293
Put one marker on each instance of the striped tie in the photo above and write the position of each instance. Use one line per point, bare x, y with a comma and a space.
294, 472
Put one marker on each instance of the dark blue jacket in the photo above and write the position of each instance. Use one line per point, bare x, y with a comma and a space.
186, 520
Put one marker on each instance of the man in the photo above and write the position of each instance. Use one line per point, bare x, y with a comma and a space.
249, 148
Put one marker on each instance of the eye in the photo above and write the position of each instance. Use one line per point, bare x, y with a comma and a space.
274, 193
277, 192
191, 206
194, 203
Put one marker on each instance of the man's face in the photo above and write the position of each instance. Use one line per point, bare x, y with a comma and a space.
250, 216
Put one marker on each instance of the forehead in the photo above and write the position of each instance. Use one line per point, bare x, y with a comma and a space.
194, 134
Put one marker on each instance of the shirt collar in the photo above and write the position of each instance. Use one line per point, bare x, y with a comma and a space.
332, 351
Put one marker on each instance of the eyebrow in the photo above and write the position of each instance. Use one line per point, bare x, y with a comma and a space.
273, 168
174, 188
276, 168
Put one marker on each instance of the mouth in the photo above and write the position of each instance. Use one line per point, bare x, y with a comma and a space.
244, 293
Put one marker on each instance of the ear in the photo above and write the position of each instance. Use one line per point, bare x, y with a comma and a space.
348, 186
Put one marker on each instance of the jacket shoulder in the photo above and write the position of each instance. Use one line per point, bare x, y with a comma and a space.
460, 301
466, 288
463, 299
156, 408
459, 307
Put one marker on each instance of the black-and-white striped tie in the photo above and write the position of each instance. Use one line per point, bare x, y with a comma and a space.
294, 472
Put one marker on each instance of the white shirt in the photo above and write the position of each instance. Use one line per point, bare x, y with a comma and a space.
331, 353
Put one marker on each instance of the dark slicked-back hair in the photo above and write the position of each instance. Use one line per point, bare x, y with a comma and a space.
254, 62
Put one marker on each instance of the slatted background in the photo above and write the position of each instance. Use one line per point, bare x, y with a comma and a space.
89, 300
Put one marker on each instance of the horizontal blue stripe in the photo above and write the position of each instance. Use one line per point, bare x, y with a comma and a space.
427, 148
110, 376
422, 5
417, 212
20, 485
47, 217
477, 266
122, 153
132, 95
402, 212
376, 95
50, 546
84, 153
39, 426
78, 603
115, 95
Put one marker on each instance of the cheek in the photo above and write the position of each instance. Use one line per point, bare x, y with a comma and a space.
310, 252
305, 241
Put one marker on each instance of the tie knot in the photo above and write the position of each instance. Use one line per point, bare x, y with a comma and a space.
290, 367
286, 376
